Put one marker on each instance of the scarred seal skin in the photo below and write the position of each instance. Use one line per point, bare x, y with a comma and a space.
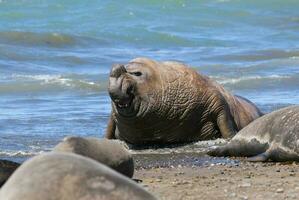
168, 102
275, 137
69, 176
108, 152
6, 169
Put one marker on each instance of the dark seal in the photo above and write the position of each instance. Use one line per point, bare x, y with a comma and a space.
168, 102
6, 169
274, 137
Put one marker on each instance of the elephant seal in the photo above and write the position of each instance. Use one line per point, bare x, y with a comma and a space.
168, 102
275, 137
68, 176
6, 169
107, 152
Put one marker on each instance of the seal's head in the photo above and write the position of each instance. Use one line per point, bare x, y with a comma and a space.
130, 86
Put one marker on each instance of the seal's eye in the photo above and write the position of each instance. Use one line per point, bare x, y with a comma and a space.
136, 73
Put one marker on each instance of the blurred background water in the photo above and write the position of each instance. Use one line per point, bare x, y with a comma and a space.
55, 57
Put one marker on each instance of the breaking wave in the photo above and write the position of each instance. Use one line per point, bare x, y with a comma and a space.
259, 81
20, 153
48, 83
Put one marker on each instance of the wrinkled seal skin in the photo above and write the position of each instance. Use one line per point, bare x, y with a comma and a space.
274, 137
168, 102
69, 176
107, 152
6, 169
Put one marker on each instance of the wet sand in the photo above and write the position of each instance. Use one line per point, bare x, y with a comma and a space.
221, 179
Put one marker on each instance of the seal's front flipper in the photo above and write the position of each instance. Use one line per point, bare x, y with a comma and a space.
226, 125
233, 148
218, 152
110, 132
240, 148
260, 157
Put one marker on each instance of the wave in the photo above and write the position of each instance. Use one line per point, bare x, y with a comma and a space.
29, 38
224, 81
260, 55
49, 39
20, 153
259, 81
51, 83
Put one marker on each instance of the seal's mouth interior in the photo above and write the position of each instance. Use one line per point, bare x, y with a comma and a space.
124, 103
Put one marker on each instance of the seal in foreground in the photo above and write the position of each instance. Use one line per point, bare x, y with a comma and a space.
107, 152
274, 136
68, 176
168, 102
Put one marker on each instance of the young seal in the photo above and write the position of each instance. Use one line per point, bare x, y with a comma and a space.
69, 176
274, 137
6, 169
107, 152
168, 102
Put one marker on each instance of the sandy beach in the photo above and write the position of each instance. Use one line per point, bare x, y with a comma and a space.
242, 180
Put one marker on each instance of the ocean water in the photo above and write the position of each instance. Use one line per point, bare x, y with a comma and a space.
55, 58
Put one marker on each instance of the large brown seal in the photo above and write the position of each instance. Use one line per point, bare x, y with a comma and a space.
274, 136
68, 176
107, 152
168, 102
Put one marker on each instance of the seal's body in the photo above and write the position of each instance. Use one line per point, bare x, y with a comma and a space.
107, 152
168, 102
68, 176
274, 136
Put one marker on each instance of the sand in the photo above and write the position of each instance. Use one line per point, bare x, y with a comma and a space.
242, 180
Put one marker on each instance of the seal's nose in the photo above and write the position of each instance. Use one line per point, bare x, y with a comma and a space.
119, 88
117, 70
120, 91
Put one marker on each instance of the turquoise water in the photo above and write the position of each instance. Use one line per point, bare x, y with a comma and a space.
55, 57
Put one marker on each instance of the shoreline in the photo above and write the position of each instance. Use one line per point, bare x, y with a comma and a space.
244, 180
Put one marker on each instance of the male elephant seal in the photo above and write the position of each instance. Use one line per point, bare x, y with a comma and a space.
68, 176
168, 102
107, 152
6, 169
274, 136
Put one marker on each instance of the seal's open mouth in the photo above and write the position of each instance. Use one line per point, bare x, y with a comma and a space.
124, 103
119, 105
